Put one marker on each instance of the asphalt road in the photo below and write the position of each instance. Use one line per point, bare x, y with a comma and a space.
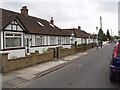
91, 71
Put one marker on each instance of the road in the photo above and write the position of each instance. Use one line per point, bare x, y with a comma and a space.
91, 71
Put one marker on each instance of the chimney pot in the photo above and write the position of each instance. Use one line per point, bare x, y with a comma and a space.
79, 28
24, 10
52, 21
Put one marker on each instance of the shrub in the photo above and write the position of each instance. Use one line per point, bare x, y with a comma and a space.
80, 45
36, 51
63, 48
13, 57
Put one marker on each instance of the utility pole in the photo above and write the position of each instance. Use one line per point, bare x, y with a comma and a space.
97, 37
100, 22
101, 29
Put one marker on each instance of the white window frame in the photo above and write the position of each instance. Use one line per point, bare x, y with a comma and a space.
13, 36
40, 38
52, 40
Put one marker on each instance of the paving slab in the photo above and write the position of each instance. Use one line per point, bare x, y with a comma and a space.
9, 76
14, 82
30, 73
7, 85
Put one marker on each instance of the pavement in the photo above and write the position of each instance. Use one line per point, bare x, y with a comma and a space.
17, 78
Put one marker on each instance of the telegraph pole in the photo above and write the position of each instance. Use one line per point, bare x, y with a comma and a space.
100, 22
101, 29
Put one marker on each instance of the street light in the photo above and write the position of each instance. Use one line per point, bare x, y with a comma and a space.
97, 36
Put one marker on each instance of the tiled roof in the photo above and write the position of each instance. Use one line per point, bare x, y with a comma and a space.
78, 33
30, 23
94, 36
68, 32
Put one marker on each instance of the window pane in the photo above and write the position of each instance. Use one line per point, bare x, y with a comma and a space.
13, 42
8, 34
17, 34
9, 42
17, 42
39, 41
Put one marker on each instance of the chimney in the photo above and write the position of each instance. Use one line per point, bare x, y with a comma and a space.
79, 28
24, 10
52, 21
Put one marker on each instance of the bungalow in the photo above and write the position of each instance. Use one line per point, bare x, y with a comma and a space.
21, 34
80, 36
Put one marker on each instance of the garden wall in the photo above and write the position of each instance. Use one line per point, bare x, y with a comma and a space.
18, 63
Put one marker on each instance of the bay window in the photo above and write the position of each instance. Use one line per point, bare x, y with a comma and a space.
13, 40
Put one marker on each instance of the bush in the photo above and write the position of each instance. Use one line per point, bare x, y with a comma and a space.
13, 57
63, 48
36, 51
80, 45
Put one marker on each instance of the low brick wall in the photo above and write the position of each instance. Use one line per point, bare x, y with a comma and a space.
14, 64
80, 49
66, 52
44, 57
90, 46
83, 48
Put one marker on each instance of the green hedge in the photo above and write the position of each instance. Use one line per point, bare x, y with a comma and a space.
80, 45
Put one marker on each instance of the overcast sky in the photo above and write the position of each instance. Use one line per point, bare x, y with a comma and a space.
72, 13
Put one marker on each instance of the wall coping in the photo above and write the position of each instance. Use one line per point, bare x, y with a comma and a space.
4, 53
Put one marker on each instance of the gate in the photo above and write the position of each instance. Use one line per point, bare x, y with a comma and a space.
55, 52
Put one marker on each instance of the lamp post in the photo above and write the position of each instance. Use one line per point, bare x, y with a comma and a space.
97, 37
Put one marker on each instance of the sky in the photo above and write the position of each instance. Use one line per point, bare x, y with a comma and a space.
72, 13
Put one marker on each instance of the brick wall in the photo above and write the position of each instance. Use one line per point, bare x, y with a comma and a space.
66, 52
14, 64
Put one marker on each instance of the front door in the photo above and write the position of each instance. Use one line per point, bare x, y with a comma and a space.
27, 46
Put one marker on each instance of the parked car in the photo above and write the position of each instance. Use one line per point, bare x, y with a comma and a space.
115, 63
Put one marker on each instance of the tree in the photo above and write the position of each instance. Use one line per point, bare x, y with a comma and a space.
108, 35
100, 35
104, 37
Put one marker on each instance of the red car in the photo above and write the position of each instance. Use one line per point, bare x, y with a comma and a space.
115, 63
